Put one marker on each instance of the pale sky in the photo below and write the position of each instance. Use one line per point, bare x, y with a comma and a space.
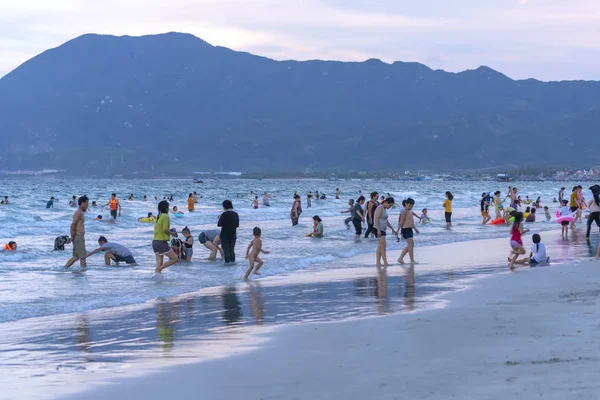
544, 39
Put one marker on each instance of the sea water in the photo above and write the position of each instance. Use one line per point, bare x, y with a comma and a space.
33, 282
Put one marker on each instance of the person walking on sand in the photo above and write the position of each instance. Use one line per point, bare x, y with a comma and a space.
252, 252
516, 241
229, 221
381, 224
114, 206
370, 213
448, 209
162, 236
296, 210
594, 209
78, 234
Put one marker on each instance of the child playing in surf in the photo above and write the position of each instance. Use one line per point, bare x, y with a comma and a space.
516, 241
547, 213
252, 252
565, 211
188, 244
424, 218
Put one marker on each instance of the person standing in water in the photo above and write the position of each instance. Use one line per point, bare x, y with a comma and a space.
50, 203
594, 209
229, 221
309, 197
195, 197
162, 236
253, 251
191, 203
351, 211
337, 193
358, 217
114, 206
296, 210
255, 203
78, 234
485, 207
448, 209
381, 224
370, 213
406, 227
265, 200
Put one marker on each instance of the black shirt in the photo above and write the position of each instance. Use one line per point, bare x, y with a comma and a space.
229, 222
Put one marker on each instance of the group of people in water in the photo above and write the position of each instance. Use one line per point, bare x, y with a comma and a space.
169, 249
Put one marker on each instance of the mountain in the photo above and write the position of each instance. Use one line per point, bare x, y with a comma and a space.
174, 104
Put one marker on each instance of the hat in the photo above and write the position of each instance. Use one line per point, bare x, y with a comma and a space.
173, 230
317, 218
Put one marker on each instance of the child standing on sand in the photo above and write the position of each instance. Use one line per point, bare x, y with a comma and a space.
565, 211
252, 257
407, 224
516, 242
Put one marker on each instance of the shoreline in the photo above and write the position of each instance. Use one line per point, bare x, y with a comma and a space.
531, 333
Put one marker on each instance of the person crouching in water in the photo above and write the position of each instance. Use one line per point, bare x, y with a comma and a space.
516, 241
317, 228
114, 252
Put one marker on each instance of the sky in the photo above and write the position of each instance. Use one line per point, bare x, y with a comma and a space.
543, 39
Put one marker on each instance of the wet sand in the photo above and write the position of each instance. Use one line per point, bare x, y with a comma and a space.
528, 334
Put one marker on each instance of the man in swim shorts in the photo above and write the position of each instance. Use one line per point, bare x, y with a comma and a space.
78, 234
114, 252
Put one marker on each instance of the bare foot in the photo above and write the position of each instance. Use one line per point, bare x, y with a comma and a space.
401, 262
256, 273
386, 265
509, 260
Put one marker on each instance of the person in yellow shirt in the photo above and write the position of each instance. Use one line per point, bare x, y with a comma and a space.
448, 209
162, 235
573, 206
191, 202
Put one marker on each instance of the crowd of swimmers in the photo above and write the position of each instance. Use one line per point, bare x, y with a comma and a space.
170, 249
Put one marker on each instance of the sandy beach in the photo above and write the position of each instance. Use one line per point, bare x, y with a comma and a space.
527, 334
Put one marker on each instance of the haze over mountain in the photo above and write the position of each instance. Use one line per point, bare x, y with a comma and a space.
173, 103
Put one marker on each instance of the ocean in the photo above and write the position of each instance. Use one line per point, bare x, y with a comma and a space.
33, 282
64, 329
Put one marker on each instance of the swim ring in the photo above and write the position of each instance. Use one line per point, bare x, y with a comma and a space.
498, 221
146, 220
567, 218
178, 215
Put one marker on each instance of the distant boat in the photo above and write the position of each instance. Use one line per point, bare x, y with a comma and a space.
198, 181
502, 178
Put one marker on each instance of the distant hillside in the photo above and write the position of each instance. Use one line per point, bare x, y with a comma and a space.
173, 103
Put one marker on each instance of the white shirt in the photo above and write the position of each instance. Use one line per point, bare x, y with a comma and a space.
564, 211
539, 255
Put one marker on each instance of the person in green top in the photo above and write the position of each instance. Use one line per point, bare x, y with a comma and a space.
162, 236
